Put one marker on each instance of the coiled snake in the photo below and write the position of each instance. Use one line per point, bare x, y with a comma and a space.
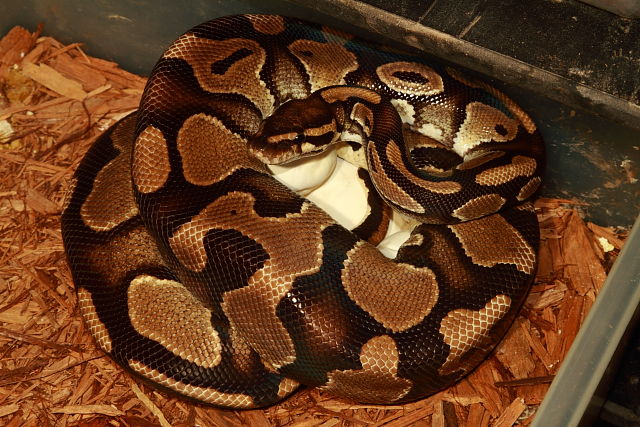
198, 271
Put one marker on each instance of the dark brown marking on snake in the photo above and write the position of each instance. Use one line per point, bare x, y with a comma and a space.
440, 187
242, 76
343, 93
252, 308
386, 185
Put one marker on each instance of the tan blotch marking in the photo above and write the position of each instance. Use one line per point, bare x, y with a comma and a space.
242, 354
377, 381
95, 325
210, 152
483, 123
326, 63
529, 188
464, 329
439, 187
386, 186
126, 251
150, 168
519, 166
492, 240
289, 136
321, 130
479, 160
242, 76
397, 295
267, 24
287, 386
432, 122
166, 312
111, 201
364, 116
514, 108
288, 80
406, 111
390, 75
208, 395
343, 93
480, 206
294, 244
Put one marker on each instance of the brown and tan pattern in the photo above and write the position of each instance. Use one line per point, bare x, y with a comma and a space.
202, 141
271, 25
483, 123
252, 308
440, 187
377, 381
508, 245
202, 394
111, 200
464, 329
150, 168
344, 93
241, 76
386, 185
95, 325
397, 295
235, 290
411, 78
480, 206
520, 166
327, 64
187, 331
479, 160
529, 188
526, 120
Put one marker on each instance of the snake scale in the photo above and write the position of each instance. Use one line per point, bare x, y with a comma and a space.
197, 271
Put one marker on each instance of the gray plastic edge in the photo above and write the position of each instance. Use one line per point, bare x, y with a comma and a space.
477, 58
573, 392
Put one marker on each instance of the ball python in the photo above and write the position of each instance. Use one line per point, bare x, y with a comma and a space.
199, 272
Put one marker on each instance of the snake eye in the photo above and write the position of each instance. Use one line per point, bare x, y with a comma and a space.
299, 138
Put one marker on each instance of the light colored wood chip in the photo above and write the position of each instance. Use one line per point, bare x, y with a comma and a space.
50, 78
109, 410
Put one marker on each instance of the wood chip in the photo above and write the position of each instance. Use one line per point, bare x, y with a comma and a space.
51, 371
55, 81
109, 410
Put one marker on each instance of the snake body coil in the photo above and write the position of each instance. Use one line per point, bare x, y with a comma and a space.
198, 271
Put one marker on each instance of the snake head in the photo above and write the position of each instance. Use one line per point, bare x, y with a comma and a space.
298, 128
